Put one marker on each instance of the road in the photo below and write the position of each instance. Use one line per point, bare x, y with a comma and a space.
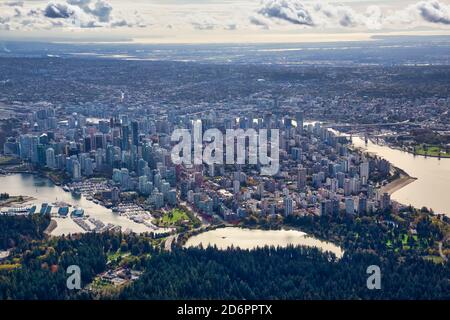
441, 253
169, 241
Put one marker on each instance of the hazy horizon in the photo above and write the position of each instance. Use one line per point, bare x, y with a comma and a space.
219, 21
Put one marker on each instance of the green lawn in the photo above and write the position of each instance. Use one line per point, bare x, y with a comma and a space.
434, 151
174, 216
177, 217
114, 256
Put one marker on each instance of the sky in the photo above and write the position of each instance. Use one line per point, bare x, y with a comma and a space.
219, 21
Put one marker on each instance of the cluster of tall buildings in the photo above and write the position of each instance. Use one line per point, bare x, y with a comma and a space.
318, 173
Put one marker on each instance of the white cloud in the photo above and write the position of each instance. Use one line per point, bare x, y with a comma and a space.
244, 16
14, 3
289, 10
313, 14
58, 10
64, 14
325, 15
434, 11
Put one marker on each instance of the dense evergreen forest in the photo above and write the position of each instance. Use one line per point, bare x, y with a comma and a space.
37, 270
289, 273
20, 229
36, 267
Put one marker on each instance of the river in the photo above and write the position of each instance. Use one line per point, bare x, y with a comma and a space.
431, 189
44, 190
224, 238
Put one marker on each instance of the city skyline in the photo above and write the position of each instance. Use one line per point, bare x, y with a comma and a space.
234, 150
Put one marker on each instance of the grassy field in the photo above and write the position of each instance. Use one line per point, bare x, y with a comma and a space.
433, 151
177, 217
114, 257
174, 216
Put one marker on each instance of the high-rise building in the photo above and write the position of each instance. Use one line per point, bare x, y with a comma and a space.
288, 206
326, 207
385, 201
88, 167
34, 149
125, 135
172, 197
41, 156
115, 193
76, 170
142, 164
236, 186
11, 147
157, 199
299, 120
100, 141
364, 172
347, 187
135, 132
50, 158
87, 144
349, 205
362, 205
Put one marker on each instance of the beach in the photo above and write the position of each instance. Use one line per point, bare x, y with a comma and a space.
402, 181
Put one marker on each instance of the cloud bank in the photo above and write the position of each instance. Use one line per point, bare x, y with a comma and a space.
268, 14
69, 14
434, 11
320, 14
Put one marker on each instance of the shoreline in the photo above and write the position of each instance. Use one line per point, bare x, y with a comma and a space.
38, 173
399, 183
225, 238
418, 154
16, 200
393, 146
402, 181
404, 178
51, 227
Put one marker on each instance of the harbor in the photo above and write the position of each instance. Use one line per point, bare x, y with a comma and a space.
71, 212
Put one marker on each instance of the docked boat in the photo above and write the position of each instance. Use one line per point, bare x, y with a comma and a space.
78, 212
76, 193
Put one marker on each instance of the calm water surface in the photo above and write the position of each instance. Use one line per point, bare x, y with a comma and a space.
224, 238
44, 190
432, 187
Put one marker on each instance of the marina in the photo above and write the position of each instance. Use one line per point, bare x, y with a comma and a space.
64, 206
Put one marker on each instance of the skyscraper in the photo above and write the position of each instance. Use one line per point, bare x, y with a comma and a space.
76, 170
288, 206
50, 158
385, 201
299, 120
125, 137
135, 132
364, 172
362, 205
326, 207
349, 205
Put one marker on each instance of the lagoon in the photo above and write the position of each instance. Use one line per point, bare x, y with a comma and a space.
224, 238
